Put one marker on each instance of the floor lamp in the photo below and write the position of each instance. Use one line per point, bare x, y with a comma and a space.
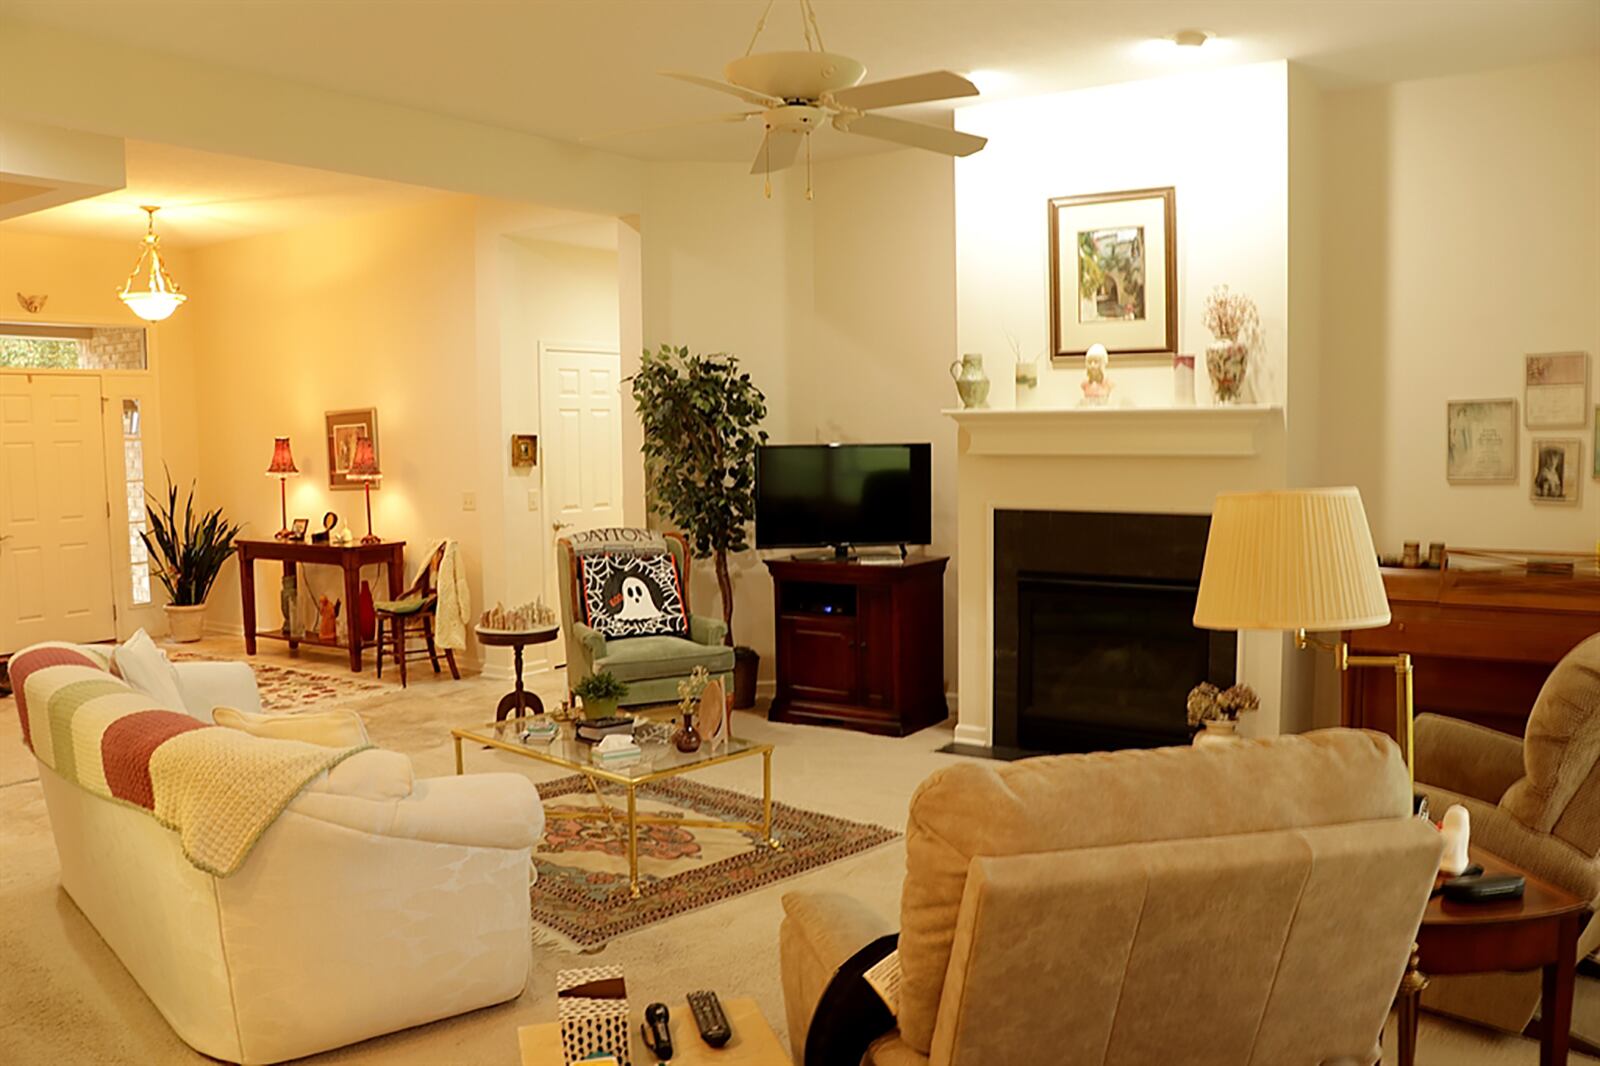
282, 468
1301, 560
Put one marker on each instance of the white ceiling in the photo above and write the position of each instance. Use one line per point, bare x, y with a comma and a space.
205, 198
571, 68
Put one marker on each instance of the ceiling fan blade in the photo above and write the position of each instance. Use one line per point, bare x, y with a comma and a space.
914, 134
914, 89
749, 96
710, 120
777, 151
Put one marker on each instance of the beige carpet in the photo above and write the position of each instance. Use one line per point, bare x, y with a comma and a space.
65, 1000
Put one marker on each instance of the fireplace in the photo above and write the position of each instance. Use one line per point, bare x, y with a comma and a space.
1094, 644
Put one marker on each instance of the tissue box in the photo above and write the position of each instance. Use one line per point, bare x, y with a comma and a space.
592, 1008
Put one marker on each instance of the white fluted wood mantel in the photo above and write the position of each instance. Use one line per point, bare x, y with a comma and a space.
1197, 432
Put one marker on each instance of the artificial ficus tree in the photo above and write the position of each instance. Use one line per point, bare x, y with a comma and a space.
702, 416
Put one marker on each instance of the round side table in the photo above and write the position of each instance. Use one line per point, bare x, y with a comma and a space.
519, 703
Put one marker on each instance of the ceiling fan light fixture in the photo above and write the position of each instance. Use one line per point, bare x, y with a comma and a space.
157, 296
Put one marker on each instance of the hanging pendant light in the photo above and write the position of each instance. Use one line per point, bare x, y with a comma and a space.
158, 296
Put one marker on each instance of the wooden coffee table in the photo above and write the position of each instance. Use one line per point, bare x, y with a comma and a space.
753, 1043
1537, 932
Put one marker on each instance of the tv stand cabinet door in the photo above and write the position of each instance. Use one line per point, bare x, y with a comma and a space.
875, 608
820, 656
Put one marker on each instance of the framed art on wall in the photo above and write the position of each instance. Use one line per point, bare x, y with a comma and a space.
1114, 274
344, 429
1482, 443
1557, 466
524, 449
1555, 390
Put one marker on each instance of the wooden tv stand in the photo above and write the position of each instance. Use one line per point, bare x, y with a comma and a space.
860, 645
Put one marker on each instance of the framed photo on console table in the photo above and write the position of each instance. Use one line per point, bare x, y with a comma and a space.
344, 429
1114, 274
1482, 445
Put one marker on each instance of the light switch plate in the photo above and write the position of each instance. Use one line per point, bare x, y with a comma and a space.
533, 499
469, 501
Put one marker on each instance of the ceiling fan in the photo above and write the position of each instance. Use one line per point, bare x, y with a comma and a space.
798, 92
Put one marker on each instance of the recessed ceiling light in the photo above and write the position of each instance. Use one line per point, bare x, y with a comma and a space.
1190, 38
1187, 44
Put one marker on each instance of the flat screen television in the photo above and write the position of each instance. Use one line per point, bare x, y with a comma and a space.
842, 495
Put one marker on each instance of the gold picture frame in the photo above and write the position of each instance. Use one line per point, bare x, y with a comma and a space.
1116, 253
344, 428
524, 450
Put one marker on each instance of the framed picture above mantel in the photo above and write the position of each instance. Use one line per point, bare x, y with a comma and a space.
1114, 275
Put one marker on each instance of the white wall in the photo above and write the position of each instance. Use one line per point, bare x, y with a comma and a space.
1219, 137
1462, 232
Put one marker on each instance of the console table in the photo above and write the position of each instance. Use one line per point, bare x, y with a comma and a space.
860, 644
348, 558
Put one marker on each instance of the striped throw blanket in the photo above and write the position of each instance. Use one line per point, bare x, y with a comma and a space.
218, 788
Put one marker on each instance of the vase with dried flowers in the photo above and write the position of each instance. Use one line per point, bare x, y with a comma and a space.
1234, 321
687, 738
1215, 712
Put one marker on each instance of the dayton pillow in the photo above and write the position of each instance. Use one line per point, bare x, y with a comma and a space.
145, 668
632, 593
331, 729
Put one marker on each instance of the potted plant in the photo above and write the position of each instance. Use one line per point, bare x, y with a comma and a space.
600, 693
186, 558
1215, 712
701, 416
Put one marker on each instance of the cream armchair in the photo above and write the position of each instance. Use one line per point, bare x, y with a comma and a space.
1239, 903
1534, 803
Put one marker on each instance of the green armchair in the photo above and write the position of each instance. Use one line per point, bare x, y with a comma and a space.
651, 666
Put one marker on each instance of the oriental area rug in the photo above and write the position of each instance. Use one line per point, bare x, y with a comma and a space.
284, 688
581, 898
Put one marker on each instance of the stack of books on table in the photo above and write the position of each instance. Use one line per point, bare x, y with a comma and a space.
540, 729
596, 729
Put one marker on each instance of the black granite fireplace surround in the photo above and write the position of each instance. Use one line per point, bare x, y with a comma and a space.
1094, 647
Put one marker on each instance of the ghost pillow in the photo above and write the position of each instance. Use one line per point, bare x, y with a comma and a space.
633, 594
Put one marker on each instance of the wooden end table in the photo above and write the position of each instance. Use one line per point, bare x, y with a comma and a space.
1537, 932
349, 558
519, 703
753, 1042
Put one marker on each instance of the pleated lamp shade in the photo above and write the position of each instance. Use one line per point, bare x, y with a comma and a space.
1295, 559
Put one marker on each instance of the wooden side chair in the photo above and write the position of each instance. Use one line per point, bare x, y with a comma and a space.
413, 612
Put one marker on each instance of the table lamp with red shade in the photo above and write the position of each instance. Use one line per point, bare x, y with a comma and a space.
283, 469
364, 468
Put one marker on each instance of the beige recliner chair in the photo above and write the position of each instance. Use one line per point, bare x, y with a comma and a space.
1534, 803
1243, 903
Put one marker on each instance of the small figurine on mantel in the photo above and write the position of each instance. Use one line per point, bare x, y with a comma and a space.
1096, 384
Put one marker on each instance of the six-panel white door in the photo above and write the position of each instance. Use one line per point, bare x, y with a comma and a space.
55, 549
580, 402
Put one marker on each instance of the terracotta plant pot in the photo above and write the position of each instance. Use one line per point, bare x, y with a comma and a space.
185, 624
746, 664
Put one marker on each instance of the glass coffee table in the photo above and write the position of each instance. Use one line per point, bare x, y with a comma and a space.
660, 761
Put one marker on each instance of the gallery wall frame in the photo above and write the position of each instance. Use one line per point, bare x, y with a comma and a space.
344, 428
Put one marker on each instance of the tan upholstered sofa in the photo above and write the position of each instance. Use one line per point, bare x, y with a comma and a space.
1535, 803
1248, 903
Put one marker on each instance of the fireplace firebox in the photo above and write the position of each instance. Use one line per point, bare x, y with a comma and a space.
1095, 648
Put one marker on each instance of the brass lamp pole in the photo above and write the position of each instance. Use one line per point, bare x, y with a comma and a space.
1404, 692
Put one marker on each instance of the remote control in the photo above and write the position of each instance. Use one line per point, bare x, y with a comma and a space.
708, 1016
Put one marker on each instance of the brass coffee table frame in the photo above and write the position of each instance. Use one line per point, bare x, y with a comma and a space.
596, 774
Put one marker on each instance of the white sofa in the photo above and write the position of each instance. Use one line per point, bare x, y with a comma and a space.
375, 902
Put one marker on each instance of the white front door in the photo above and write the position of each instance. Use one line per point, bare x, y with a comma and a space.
581, 441
55, 547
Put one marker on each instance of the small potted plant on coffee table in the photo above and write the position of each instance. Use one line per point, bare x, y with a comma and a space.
1215, 712
600, 693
